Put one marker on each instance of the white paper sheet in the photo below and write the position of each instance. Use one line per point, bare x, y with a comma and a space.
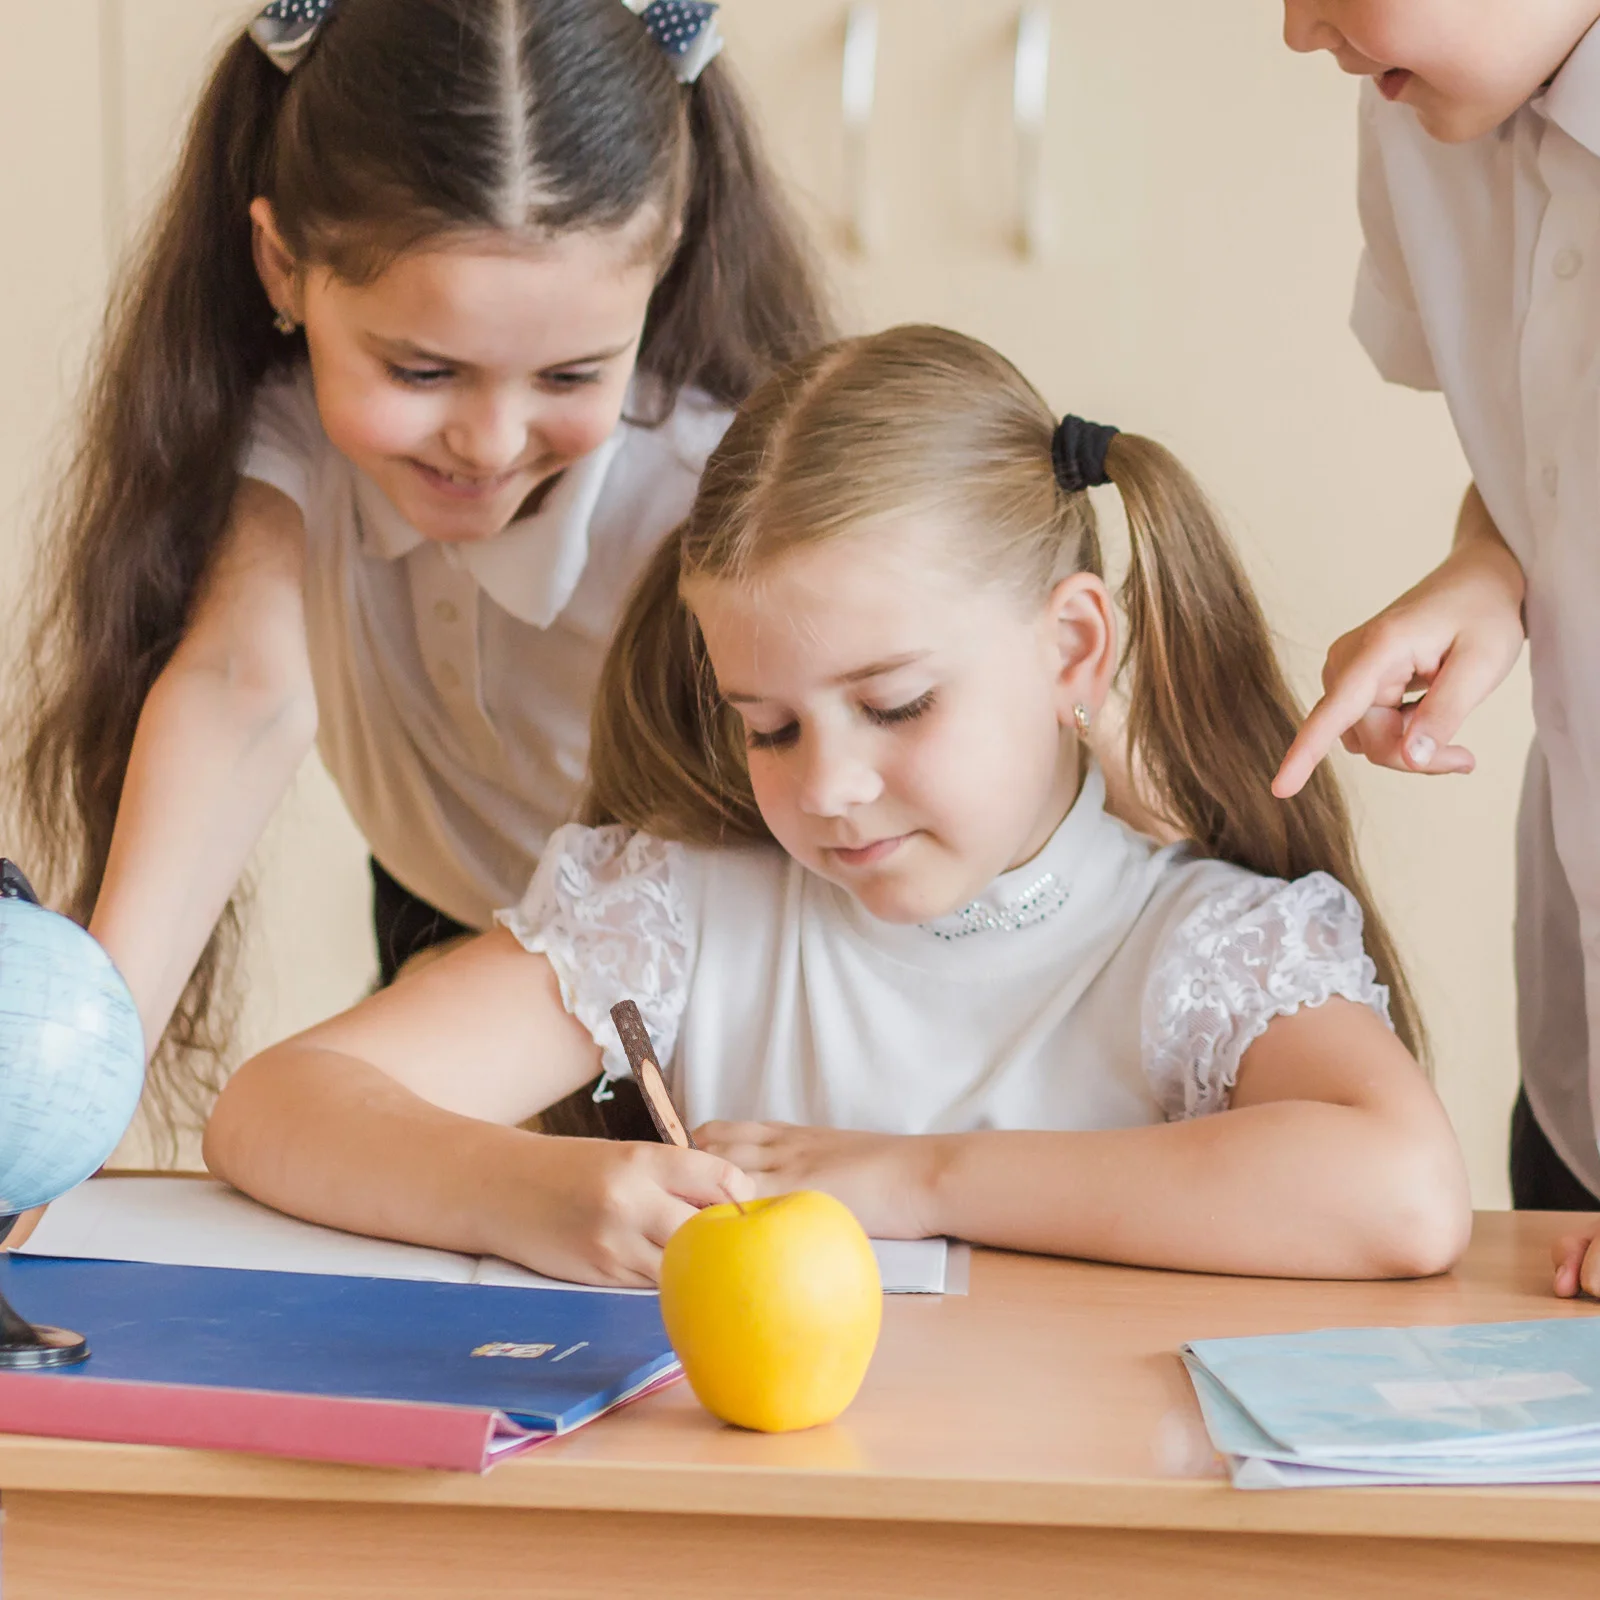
198, 1222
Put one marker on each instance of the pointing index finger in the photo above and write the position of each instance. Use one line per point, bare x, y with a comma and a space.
1338, 710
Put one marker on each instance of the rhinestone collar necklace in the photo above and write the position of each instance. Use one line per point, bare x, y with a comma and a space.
1040, 901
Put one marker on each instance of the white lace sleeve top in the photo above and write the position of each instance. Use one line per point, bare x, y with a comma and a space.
1106, 984
607, 908
1259, 950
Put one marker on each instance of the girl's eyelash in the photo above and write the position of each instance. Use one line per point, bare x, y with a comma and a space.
430, 377
774, 740
417, 377
909, 712
790, 731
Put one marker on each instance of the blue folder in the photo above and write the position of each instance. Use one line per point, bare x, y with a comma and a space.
522, 1361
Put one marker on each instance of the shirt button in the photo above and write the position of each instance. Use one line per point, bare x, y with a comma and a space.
445, 611
1568, 263
1550, 477
449, 678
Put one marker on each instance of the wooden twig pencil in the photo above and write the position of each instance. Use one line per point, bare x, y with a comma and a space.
647, 1074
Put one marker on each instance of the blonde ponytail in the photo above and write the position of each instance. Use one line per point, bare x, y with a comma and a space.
1210, 713
665, 756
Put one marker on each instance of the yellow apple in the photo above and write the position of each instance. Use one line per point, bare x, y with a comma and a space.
773, 1310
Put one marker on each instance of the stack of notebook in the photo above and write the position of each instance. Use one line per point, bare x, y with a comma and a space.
1507, 1402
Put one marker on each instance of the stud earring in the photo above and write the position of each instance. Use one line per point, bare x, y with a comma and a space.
1080, 715
284, 322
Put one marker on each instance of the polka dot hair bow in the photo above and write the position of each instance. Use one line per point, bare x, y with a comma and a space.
686, 30
287, 29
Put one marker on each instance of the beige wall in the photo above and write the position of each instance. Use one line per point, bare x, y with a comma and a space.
1201, 182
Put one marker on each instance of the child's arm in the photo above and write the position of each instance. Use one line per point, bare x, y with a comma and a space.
1335, 1161
219, 739
1455, 635
398, 1118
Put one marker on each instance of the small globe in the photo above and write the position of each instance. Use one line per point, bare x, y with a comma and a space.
71, 1053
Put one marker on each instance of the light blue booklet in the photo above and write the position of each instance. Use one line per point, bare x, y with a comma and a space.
1509, 1402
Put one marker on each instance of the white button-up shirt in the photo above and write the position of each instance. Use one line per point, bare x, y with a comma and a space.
1481, 278
454, 682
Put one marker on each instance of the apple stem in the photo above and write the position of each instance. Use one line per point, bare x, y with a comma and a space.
737, 1205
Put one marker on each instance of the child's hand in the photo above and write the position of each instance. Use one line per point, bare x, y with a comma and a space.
885, 1179
599, 1211
1455, 637
1576, 1258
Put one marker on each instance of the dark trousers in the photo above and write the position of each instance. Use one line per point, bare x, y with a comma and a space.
405, 925
1540, 1179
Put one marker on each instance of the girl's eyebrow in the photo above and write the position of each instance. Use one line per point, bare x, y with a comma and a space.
409, 350
416, 352
876, 669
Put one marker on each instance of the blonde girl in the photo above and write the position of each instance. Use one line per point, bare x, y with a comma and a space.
423, 353
844, 846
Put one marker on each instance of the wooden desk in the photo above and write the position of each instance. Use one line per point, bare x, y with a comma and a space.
1037, 1437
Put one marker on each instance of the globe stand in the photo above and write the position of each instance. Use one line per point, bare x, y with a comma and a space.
24, 1344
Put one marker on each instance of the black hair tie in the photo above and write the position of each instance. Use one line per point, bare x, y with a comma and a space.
1078, 453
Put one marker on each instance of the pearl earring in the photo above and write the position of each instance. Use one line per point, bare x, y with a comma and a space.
284, 322
1080, 715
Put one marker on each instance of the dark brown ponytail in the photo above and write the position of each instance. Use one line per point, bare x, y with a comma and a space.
1209, 711
185, 345
742, 296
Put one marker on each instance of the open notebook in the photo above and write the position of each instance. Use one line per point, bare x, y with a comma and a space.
198, 1222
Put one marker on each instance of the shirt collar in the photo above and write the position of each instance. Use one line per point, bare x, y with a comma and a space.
531, 568
1572, 101
1067, 909
1038, 889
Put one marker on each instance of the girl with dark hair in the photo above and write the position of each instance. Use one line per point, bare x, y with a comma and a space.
447, 304
845, 846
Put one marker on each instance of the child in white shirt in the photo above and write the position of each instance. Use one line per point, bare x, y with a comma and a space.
418, 361
1480, 201
845, 847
